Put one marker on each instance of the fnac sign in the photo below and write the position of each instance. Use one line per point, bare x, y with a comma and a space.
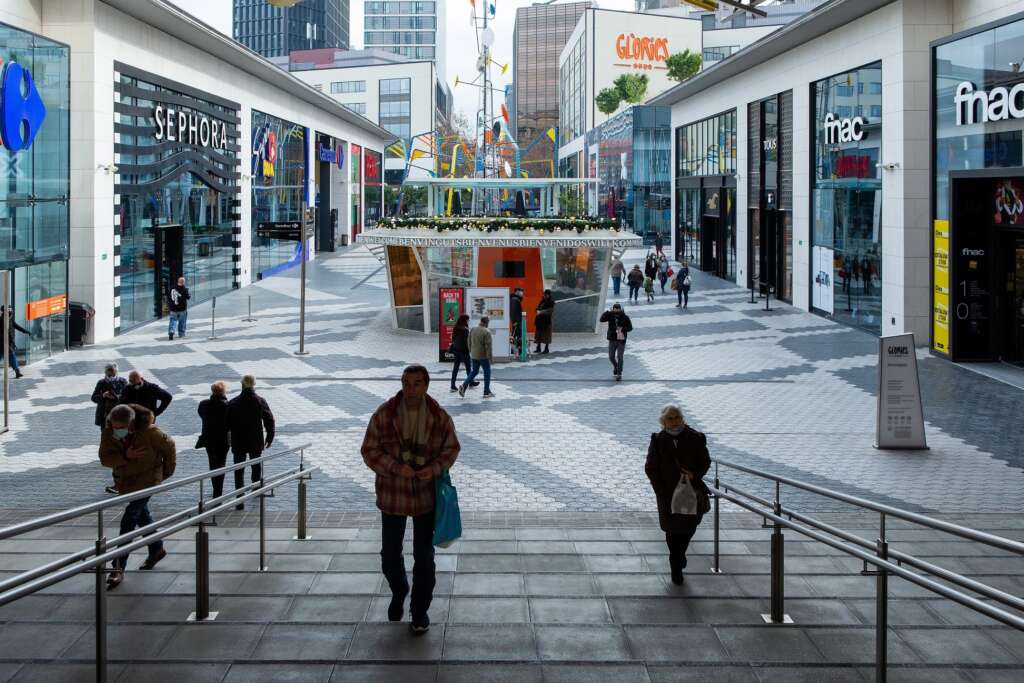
641, 49
22, 111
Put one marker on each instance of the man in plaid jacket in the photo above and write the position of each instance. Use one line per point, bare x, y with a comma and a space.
409, 441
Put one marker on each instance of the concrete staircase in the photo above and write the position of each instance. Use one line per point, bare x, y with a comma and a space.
520, 598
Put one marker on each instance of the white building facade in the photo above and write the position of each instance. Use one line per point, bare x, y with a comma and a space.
180, 143
413, 29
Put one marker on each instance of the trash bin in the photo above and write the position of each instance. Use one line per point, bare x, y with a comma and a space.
78, 322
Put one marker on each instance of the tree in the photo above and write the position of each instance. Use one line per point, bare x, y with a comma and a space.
682, 66
632, 87
608, 100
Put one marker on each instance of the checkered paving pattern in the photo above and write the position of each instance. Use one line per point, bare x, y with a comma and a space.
781, 390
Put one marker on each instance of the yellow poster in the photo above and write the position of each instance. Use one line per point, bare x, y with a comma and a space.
940, 279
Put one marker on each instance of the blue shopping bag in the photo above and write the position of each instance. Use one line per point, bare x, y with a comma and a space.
447, 520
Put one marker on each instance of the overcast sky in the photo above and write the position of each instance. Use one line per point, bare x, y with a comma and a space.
461, 52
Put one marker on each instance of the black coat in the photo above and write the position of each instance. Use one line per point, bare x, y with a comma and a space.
214, 414
183, 297
248, 417
11, 327
460, 339
664, 460
516, 309
615, 321
114, 385
635, 278
147, 395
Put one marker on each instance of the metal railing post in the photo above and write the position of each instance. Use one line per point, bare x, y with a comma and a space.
882, 608
202, 612
301, 532
778, 578
263, 531
717, 567
249, 318
101, 603
213, 319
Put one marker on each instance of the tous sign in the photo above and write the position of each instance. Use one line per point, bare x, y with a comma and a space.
641, 48
998, 104
174, 125
843, 130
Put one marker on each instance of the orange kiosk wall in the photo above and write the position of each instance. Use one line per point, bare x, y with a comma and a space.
493, 262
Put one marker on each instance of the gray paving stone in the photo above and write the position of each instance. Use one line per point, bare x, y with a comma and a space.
615, 563
686, 674
675, 644
777, 644
64, 673
560, 584
569, 610
394, 642
630, 584
595, 673
652, 611
496, 673
899, 612
285, 673
488, 611
158, 673
131, 641
956, 646
489, 563
553, 563
488, 584
857, 645
994, 675
272, 584
438, 611
37, 641
379, 673
8, 670
582, 643
499, 643
304, 641
338, 608
785, 674
212, 641
244, 608
346, 582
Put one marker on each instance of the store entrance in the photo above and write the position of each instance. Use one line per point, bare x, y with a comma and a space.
1012, 295
169, 261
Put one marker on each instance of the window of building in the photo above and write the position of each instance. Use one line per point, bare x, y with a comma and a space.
395, 86
342, 87
357, 107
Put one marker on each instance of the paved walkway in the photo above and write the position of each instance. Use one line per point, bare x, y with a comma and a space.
783, 390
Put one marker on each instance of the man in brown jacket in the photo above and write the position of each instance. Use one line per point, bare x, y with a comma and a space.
141, 456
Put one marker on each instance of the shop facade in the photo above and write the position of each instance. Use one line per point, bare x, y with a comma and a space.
35, 192
978, 193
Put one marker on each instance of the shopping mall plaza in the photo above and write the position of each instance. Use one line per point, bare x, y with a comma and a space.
850, 178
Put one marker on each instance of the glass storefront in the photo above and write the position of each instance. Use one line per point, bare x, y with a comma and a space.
706, 194
278, 188
34, 217
978, 195
373, 194
846, 214
356, 188
634, 158
770, 195
175, 214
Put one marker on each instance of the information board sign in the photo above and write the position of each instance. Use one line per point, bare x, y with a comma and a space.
900, 415
940, 280
450, 301
494, 303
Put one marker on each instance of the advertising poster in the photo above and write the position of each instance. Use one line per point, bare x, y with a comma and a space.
940, 296
449, 308
494, 303
1009, 202
821, 288
900, 415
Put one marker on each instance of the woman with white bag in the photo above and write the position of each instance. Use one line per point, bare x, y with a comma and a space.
677, 461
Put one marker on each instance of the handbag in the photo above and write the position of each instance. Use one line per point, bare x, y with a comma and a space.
670, 272
686, 281
684, 498
675, 285
447, 520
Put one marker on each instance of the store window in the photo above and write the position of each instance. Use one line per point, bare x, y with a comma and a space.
356, 190
406, 287
278, 189
373, 194
846, 270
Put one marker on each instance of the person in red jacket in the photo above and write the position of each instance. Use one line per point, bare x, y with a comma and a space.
409, 441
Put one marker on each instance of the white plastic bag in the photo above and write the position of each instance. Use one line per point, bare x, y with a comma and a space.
684, 498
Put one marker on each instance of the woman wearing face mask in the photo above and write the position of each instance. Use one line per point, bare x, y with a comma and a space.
676, 452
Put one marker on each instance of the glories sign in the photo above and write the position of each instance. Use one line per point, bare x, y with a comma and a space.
843, 130
998, 104
193, 129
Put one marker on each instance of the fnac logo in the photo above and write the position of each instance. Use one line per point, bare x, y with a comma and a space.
21, 108
641, 48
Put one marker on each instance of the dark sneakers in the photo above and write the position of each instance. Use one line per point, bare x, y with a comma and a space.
419, 625
152, 560
396, 608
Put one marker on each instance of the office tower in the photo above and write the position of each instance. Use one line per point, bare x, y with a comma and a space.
541, 31
412, 29
274, 31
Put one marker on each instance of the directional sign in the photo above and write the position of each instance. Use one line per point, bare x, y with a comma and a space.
281, 230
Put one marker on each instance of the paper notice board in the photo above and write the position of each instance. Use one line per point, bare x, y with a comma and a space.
900, 414
494, 303
940, 282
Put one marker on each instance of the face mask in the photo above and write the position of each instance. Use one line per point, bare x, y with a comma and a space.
120, 432
675, 432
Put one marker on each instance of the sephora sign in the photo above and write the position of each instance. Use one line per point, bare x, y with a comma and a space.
982, 106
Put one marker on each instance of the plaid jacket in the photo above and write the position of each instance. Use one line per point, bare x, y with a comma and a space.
397, 495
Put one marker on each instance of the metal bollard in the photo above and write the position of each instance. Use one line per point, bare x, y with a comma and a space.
768, 297
263, 532
777, 614
101, 604
881, 609
302, 535
249, 318
202, 612
717, 567
213, 319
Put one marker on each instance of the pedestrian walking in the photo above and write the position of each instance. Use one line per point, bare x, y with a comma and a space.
682, 286
215, 436
659, 244
516, 311
251, 427
106, 395
619, 327
460, 347
177, 300
617, 271
677, 460
12, 348
635, 280
409, 441
663, 271
649, 288
544, 321
151, 396
651, 267
141, 456
481, 352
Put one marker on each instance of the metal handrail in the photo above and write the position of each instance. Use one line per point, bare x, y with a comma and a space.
119, 501
877, 554
93, 560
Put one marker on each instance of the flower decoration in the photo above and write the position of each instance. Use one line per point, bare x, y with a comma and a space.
501, 223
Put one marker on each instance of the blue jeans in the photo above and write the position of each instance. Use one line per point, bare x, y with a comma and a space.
137, 515
461, 358
12, 357
477, 364
616, 283
178, 318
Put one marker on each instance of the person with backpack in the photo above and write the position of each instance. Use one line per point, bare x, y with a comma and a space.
635, 280
619, 327
677, 460
682, 286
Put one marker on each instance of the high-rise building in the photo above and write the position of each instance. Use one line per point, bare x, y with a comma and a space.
540, 33
276, 31
411, 29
